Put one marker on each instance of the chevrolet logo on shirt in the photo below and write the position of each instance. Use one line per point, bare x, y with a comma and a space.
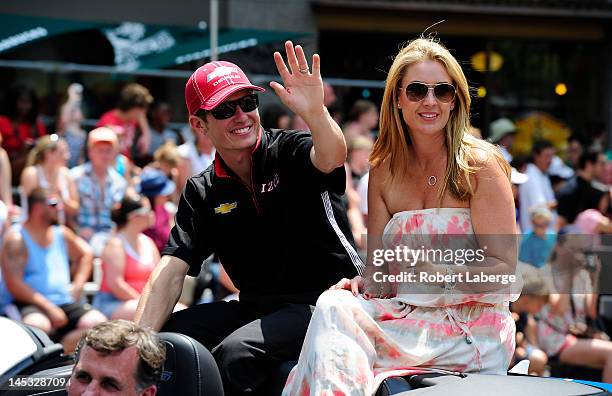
225, 208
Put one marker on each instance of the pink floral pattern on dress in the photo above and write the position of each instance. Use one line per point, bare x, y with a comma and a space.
353, 344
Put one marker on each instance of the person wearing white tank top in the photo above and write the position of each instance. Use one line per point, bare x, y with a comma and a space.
46, 168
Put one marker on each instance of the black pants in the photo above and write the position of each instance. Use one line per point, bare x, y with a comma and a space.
248, 340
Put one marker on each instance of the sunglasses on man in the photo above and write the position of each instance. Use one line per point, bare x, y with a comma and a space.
227, 109
443, 92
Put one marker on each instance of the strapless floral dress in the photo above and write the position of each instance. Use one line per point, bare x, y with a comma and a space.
353, 344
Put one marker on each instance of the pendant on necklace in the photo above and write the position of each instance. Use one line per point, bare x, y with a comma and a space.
432, 180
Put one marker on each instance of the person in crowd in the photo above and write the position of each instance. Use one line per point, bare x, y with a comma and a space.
579, 194
537, 191
520, 163
363, 119
575, 147
362, 190
501, 133
46, 168
130, 114
353, 211
196, 156
534, 296
100, 187
158, 189
428, 177
160, 116
597, 131
357, 165
276, 117
359, 150
20, 126
168, 160
593, 222
562, 328
118, 357
69, 124
538, 244
559, 174
517, 178
36, 268
128, 259
277, 193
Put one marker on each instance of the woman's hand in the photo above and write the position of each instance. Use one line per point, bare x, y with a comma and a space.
355, 285
366, 286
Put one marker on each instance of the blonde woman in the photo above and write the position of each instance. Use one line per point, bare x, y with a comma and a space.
46, 168
430, 180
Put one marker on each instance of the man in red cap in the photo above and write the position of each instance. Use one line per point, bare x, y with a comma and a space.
270, 208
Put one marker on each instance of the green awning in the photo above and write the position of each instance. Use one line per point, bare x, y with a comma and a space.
18, 30
137, 45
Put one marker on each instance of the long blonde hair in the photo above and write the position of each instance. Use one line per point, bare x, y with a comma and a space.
391, 147
43, 145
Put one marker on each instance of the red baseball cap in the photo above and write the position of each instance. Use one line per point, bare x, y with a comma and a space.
210, 84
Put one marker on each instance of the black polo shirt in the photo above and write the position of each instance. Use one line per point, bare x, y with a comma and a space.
283, 238
577, 196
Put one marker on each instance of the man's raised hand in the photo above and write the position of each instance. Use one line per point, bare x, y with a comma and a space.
302, 89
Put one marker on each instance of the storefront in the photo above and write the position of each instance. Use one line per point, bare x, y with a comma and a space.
518, 58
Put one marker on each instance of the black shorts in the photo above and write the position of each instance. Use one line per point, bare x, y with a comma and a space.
74, 311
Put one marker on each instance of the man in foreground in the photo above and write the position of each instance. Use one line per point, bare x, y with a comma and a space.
118, 357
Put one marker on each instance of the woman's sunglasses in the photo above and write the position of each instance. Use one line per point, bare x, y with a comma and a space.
143, 210
227, 109
417, 91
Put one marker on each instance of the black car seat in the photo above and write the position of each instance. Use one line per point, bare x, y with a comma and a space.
190, 369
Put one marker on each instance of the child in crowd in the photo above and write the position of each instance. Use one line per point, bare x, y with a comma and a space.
534, 296
537, 244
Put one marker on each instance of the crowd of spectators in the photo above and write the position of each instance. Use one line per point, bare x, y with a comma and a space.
96, 207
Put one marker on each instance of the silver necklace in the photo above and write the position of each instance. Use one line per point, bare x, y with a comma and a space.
432, 180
